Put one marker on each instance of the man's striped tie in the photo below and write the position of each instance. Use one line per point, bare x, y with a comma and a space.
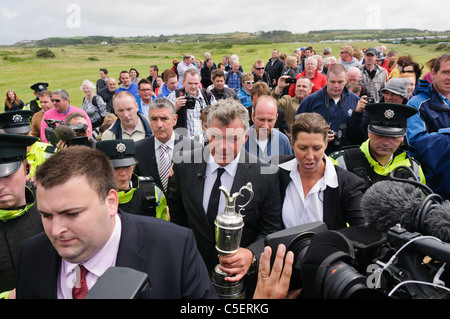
164, 165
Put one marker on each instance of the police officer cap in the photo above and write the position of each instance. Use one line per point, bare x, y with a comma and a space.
120, 152
17, 122
389, 119
14, 151
39, 87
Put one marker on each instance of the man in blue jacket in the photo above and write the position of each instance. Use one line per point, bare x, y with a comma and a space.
433, 104
429, 130
337, 105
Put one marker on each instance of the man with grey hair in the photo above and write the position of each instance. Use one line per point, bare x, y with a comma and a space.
326, 52
153, 151
194, 199
61, 108
327, 63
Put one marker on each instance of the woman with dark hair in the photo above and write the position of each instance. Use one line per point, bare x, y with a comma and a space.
12, 102
312, 188
134, 75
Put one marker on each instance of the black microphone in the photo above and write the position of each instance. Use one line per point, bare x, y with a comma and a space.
200, 176
387, 203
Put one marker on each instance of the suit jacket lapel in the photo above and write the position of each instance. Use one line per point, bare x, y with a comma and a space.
153, 164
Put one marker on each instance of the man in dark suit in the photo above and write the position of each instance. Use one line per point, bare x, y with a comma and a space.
162, 118
275, 67
192, 184
85, 234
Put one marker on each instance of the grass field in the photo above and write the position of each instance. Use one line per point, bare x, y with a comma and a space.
20, 68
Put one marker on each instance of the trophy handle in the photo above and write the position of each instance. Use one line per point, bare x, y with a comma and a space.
249, 188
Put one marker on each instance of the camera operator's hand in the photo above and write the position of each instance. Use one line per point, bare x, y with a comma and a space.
361, 106
236, 264
275, 284
180, 102
61, 145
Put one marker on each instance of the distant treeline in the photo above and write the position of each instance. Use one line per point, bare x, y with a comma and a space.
261, 37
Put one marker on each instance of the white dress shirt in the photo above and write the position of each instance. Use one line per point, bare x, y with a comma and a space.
298, 209
96, 265
226, 180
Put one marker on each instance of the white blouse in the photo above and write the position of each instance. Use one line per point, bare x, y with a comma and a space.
298, 209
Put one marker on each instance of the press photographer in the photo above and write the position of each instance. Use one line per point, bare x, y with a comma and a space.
74, 131
401, 253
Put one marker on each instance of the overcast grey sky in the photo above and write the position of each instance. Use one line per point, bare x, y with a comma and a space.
35, 20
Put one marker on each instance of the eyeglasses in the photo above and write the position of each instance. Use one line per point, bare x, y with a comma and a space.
249, 82
259, 68
409, 71
145, 90
343, 52
56, 100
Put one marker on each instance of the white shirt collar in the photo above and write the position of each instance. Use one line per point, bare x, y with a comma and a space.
230, 168
170, 143
330, 176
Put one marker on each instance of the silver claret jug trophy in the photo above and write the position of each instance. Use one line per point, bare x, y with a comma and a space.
228, 233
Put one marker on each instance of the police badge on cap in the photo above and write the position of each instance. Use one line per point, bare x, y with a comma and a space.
14, 151
39, 87
119, 151
17, 122
389, 119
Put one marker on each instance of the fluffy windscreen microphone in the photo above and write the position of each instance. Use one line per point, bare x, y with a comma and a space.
437, 222
387, 203
64, 133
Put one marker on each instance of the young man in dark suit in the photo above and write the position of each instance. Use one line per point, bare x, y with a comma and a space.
86, 234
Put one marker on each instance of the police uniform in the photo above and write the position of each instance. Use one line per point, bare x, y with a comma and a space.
143, 196
386, 119
35, 105
17, 223
18, 122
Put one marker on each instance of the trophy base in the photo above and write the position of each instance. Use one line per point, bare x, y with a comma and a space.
226, 289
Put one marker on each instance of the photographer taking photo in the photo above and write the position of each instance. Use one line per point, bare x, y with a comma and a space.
77, 122
189, 102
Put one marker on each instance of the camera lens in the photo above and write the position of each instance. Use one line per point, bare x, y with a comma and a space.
342, 281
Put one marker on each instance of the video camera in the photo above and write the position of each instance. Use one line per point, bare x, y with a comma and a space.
68, 133
359, 263
386, 258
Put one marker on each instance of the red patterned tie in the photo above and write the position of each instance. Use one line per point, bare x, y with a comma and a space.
79, 293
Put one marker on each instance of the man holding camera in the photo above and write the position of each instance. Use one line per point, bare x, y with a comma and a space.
337, 105
373, 76
61, 108
289, 104
189, 102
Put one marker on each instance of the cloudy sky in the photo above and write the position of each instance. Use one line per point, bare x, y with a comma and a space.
35, 20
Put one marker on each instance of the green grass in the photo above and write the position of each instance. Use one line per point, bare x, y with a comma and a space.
73, 64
